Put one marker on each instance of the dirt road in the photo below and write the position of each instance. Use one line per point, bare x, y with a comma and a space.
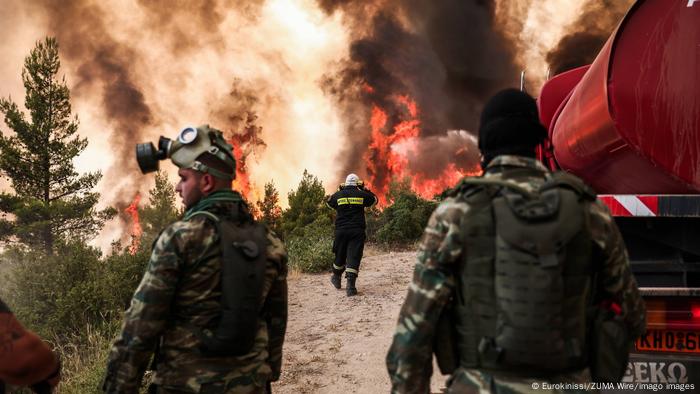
337, 344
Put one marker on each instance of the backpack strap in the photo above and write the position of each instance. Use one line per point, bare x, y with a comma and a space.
566, 180
467, 183
208, 214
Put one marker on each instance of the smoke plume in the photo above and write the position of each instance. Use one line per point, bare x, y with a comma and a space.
587, 35
445, 56
382, 88
104, 65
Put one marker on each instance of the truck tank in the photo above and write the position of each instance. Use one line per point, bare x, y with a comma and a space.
630, 123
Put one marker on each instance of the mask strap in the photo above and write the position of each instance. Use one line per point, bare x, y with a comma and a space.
198, 166
222, 155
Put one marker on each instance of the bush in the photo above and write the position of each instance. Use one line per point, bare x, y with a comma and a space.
58, 293
405, 219
122, 274
75, 297
311, 248
375, 221
307, 227
306, 204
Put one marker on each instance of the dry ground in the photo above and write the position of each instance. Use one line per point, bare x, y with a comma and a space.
337, 344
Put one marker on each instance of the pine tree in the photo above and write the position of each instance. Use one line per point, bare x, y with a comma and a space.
51, 201
269, 207
306, 204
161, 210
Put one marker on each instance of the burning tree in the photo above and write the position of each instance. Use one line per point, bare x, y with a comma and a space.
244, 143
51, 201
394, 140
146, 222
136, 229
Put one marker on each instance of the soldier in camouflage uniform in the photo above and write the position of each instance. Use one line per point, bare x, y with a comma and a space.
179, 297
509, 132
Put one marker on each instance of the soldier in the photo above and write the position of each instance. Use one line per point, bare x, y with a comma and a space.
25, 360
516, 258
350, 202
213, 300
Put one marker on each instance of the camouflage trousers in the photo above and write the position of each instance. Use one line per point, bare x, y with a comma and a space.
474, 381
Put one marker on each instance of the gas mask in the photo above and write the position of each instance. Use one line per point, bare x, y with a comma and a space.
190, 143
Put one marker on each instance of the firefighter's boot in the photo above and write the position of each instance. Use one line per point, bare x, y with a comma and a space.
350, 287
335, 280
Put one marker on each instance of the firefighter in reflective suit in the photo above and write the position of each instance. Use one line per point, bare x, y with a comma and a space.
350, 202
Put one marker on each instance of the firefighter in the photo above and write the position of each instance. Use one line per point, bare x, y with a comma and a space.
515, 260
25, 360
350, 202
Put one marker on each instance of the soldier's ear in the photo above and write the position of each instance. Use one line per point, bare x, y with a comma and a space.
207, 183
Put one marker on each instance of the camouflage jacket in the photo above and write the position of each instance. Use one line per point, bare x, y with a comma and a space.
409, 360
181, 290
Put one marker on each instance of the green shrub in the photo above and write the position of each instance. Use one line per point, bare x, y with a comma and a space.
311, 248
374, 220
306, 204
59, 293
122, 274
405, 219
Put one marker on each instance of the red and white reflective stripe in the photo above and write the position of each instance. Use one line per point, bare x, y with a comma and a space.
631, 205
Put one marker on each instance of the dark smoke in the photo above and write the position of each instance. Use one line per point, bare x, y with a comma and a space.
587, 34
190, 24
381, 67
231, 111
204, 16
446, 55
440, 150
575, 50
235, 115
104, 64
355, 8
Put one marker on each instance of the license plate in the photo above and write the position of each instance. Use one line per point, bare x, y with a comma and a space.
669, 341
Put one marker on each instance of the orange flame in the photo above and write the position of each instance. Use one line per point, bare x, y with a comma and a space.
242, 181
387, 155
136, 230
367, 89
245, 140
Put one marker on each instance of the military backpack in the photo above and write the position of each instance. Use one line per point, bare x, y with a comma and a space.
244, 245
524, 282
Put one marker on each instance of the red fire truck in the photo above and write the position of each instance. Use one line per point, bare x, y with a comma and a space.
629, 125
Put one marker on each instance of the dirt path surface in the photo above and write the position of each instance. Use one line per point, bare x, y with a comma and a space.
337, 344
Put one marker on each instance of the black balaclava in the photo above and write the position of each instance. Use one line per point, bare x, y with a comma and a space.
510, 125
